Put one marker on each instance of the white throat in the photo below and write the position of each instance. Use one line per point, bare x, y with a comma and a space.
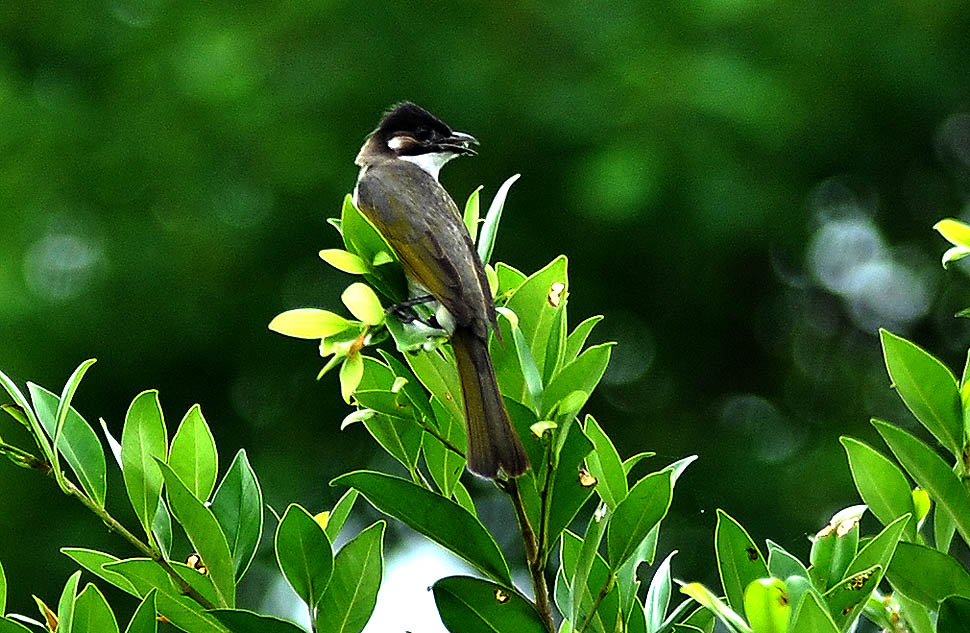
431, 162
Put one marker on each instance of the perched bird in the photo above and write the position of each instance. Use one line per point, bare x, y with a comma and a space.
399, 192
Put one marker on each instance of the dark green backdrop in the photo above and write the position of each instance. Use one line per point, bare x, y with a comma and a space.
745, 191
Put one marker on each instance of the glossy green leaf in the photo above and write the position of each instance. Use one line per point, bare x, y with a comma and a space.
928, 388
400, 437
700, 619
834, 547
658, 595
338, 516
363, 303
927, 575
577, 338
783, 564
185, 613
566, 494
205, 534
916, 616
438, 518
10, 626
847, 598
471, 605
144, 620
193, 454
344, 261
77, 442
65, 605
642, 509
766, 605
943, 529
472, 213
573, 551
92, 613
636, 619
242, 621
351, 372
144, 442
361, 238
464, 499
595, 530
444, 465
412, 388
509, 278
3, 591
238, 507
712, 603
63, 407
162, 527
583, 374
350, 597
879, 550
812, 617
18, 397
309, 323
954, 616
605, 464
529, 369
739, 562
630, 462
93, 561
486, 242
931, 473
880, 484
439, 375
304, 554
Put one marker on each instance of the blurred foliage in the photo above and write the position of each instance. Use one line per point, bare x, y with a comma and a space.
744, 190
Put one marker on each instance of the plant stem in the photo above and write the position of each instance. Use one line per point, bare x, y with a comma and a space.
533, 554
596, 603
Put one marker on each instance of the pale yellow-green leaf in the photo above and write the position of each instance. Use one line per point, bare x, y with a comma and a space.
922, 504
322, 519
955, 231
382, 257
363, 303
350, 374
343, 260
308, 323
541, 427
492, 277
955, 253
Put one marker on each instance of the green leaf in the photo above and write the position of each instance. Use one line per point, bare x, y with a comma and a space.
18, 397
927, 387
915, 615
64, 405
834, 547
93, 561
9, 626
527, 366
577, 338
782, 564
193, 454
880, 484
509, 279
472, 213
361, 238
309, 323
879, 550
439, 375
579, 581
636, 621
812, 617
566, 495
162, 527
92, 613
204, 533
943, 529
658, 595
642, 509
927, 575
605, 464
304, 554
351, 372
490, 227
77, 442
766, 605
471, 605
931, 474
351, 595
847, 598
954, 615
65, 605
444, 464
537, 304
400, 437
739, 563
3, 591
363, 303
144, 619
344, 261
185, 613
338, 516
242, 621
712, 603
583, 374
144, 441
438, 518
238, 507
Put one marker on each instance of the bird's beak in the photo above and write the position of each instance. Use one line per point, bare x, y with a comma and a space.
460, 143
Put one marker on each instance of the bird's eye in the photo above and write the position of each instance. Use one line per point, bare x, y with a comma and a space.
423, 134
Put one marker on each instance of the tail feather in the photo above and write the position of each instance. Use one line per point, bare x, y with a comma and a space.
492, 442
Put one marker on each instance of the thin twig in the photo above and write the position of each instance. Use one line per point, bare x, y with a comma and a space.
596, 603
533, 554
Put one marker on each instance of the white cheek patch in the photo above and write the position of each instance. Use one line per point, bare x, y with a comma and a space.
396, 143
431, 162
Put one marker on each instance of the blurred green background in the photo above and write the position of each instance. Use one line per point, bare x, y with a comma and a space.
745, 190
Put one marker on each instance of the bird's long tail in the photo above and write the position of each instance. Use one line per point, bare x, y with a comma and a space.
492, 442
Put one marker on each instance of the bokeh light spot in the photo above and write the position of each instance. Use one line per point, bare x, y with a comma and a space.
59, 267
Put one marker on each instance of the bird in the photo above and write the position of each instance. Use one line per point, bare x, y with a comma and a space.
399, 192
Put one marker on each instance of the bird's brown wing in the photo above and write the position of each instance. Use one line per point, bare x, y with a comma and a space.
421, 223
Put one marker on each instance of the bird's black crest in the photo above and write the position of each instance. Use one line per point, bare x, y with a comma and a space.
409, 117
